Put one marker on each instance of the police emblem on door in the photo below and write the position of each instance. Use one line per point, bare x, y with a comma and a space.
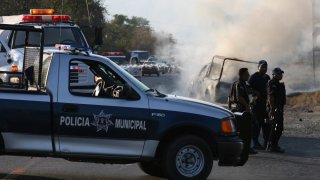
102, 121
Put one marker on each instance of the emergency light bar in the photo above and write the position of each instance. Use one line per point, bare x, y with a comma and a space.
113, 53
46, 18
44, 15
41, 11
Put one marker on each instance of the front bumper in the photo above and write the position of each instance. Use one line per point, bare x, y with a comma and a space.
229, 150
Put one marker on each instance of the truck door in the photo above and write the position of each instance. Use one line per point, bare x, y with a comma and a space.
99, 123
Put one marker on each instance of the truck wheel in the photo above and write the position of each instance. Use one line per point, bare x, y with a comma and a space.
187, 157
151, 168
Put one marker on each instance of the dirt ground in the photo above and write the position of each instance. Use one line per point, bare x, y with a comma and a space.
302, 115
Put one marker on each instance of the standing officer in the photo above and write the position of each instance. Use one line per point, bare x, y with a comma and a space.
276, 100
258, 82
239, 93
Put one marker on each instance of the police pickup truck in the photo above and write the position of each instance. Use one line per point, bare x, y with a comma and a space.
120, 121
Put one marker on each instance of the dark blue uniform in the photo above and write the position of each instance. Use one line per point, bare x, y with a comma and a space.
278, 92
259, 83
243, 122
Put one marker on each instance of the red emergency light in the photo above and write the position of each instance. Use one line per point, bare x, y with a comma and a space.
113, 53
46, 18
31, 18
63, 18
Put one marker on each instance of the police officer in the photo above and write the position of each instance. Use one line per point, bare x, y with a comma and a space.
276, 100
243, 105
258, 82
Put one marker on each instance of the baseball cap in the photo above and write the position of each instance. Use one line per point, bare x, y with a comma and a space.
277, 70
262, 62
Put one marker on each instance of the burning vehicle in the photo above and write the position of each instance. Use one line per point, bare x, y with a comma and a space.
215, 79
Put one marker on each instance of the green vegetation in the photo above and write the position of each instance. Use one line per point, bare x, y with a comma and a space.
121, 33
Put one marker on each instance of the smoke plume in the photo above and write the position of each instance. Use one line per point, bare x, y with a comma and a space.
277, 31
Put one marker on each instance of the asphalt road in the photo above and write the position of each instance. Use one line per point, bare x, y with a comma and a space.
296, 164
301, 160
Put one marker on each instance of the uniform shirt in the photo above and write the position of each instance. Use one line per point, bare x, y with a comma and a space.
242, 90
259, 83
278, 91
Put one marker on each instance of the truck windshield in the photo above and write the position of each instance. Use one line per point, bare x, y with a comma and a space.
53, 36
120, 60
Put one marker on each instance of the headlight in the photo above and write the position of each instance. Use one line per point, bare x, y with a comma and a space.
227, 126
14, 80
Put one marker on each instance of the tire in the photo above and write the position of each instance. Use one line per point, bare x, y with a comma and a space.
187, 148
152, 168
1, 145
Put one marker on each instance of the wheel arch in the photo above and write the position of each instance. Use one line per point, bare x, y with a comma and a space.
204, 133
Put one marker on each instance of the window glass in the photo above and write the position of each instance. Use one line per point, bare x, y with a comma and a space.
53, 36
94, 79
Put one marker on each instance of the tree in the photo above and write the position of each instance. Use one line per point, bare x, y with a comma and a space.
77, 9
120, 34
124, 34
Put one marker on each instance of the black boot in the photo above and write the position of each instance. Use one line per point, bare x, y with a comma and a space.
275, 149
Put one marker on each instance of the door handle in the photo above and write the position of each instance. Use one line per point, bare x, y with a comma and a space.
70, 108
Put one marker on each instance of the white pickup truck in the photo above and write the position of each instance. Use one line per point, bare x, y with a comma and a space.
59, 29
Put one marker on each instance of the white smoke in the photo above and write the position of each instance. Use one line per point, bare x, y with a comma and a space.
279, 31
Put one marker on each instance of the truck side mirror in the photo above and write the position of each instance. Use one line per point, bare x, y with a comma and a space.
3, 46
2, 49
98, 36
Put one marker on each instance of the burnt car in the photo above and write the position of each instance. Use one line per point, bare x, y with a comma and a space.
150, 67
215, 79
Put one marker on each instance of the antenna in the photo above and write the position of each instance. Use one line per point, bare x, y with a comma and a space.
315, 35
88, 13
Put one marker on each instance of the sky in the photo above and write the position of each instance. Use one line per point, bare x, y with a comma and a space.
162, 14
